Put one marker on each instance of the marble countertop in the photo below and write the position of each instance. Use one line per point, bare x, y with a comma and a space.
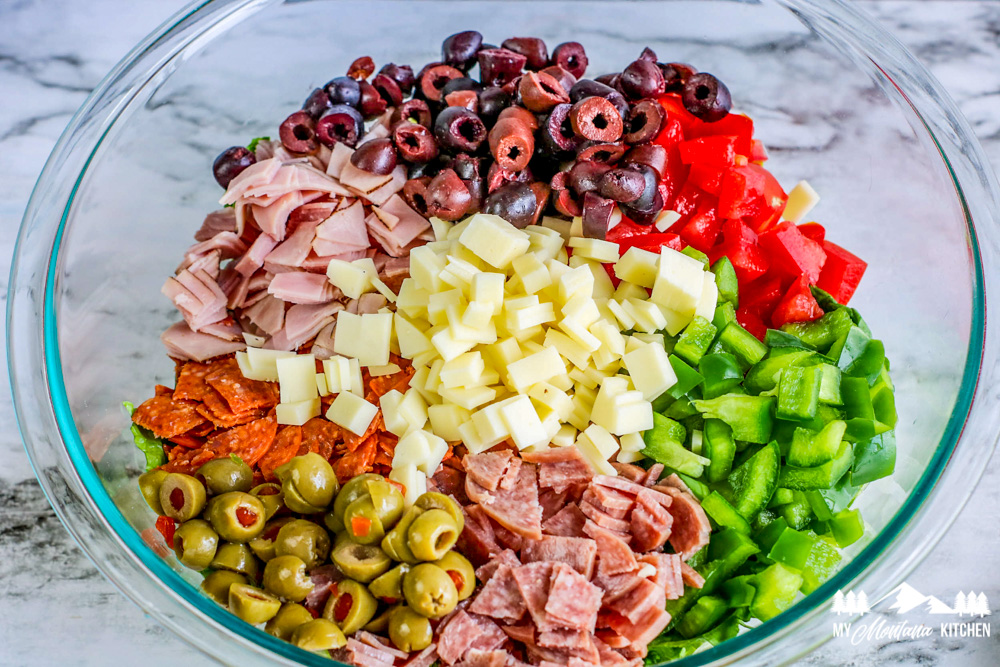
56, 609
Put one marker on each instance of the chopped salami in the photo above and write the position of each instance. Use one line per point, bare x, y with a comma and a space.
488, 468
602, 519
500, 597
477, 658
653, 474
551, 501
611, 502
616, 586
477, 542
673, 480
521, 633
644, 630
425, 658
191, 385
568, 522
363, 655
516, 509
464, 631
487, 570
241, 395
573, 601
510, 475
560, 467
577, 644
377, 642
533, 582
324, 579
284, 448
508, 539
634, 604
167, 417
610, 657
615, 556
630, 471
651, 523
691, 528
618, 483
668, 572
691, 576
578, 552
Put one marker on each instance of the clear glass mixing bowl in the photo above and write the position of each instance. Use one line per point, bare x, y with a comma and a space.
836, 99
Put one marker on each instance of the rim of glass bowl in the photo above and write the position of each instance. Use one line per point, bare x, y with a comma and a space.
89, 514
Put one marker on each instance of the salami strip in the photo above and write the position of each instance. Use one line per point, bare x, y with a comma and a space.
691, 529
488, 468
577, 552
516, 509
500, 598
533, 583
573, 601
568, 522
616, 557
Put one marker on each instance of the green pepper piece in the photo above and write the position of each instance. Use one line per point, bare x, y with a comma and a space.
705, 613
812, 449
743, 344
840, 496
687, 377
680, 409
857, 398
847, 527
726, 281
822, 333
754, 481
750, 417
724, 314
719, 447
818, 505
698, 489
829, 386
862, 430
823, 561
769, 534
884, 403
792, 548
797, 513
723, 513
818, 477
781, 497
721, 372
860, 356
763, 376
776, 338
798, 393
694, 253
695, 340
739, 591
664, 429
662, 402
776, 589
663, 443
874, 459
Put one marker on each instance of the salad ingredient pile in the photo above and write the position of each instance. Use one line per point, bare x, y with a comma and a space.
526, 368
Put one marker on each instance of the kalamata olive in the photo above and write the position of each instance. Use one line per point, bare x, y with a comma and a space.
557, 132
514, 202
597, 213
459, 50
532, 48
560, 74
361, 68
433, 80
512, 143
477, 190
230, 163
415, 194
371, 104
706, 97
343, 90
340, 124
599, 151
651, 182
567, 204
461, 83
621, 185
298, 133
521, 115
675, 75
643, 122
648, 54
497, 177
610, 79
401, 74
646, 216
492, 100
651, 155
468, 167
572, 57
429, 169
499, 66
377, 156
388, 89
415, 110
595, 118
317, 102
585, 176
540, 92
447, 197
414, 142
641, 80
459, 130
588, 88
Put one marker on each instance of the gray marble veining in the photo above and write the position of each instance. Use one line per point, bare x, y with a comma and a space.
54, 606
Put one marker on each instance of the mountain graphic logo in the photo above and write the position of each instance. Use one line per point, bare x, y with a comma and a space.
906, 598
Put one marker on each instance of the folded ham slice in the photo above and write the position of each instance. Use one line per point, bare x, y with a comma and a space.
183, 343
295, 249
268, 314
254, 257
346, 227
198, 297
227, 243
217, 221
273, 218
256, 175
301, 287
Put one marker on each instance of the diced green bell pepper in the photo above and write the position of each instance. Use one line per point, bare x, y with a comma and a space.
764, 374
698, 489
821, 476
822, 333
719, 448
739, 591
884, 402
819, 505
797, 513
726, 281
743, 344
721, 372
847, 527
662, 402
705, 613
754, 481
841, 495
664, 444
861, 430
812, 449
791, 548
829, 386
777, 587
687, 377
695, 340
823, 561
723, 513
769, 534
724, 314
874, 459
781, 497
798, 393
750, 417
857, 398
777, 338
859, 355
680, 409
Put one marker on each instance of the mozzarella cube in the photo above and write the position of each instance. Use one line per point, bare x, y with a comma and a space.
650, 370
545, 243
477, 315
679, 281
298, 413
468, 397
631, 442
626, 291
442, 306
648, 316
625, 321
352, 279
504, 352
243, 361
801, 199
522, 421
534, 368
576, 227
446, 419
709, 298
421, 449
412, 300
364, 337
629, 457
591, 453
471, 439
357, 387
464, 370
252, 340
263, 363
576, 282
414, 482
611, 338
425, 268
604, 442
603, 287
448, 346
351, 412
531, 272
638, 267
297, 378
582, 309
389, 403
411, 340
553, 398
458, 273
632, 416
565, 436
595, 249
576, 353
379, 371
321, 385
665, 220
338, 374
439, 227
676, 321
603, 411
489, 424
494, 240
578, 332
488, 288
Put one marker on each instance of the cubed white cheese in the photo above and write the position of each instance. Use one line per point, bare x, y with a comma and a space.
565, 436
531, 272
545, 243
665, 220
253, 340
679, 281
603, 411
297, 378
650, 370
593, 456
576, 282
393, 420
489, 424
425, 268
446, 419
357, 387
488, 288
595, 249
477, 315
638, 266
411, 339
534, 368
709, 298
632, 442
625, 321
412, 300
298, 413
351, 412
801, 199
263, 363
465, 370
522, 421
413, 449
448, 346
494, 240
558, 225
352, 279
364, 337
379, 371
471, 439
439, 227
321, 384
576, 353
414, 482
558, 400
338, 374
468, 397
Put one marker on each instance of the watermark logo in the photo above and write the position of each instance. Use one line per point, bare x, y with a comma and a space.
969, 607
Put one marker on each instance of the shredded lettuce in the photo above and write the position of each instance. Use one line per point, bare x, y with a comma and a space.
252, 146
150, 446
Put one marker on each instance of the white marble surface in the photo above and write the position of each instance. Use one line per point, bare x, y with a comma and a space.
55, 608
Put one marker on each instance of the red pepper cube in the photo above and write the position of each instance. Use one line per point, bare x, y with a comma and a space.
735, 124
741, 187
687, 202
772, 201
814, 231
672, 104
798, 305
841, 273
793, 253
626, 228
740, 246
651, 242
751, 322
166, 526
758, 152
762, 295
702, 231
715, 150
707, 177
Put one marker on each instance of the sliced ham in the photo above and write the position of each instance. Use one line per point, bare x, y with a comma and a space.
316, 211
616, 557
691, 528
198, 297
210, 263
573, 602
395, 184
273, 218
339, 156
226, 243
254, 257
500, 597
322, 347
345, 227
227, 329
362, 182
268, 314
304, 321
425, 658
371, 303
294, 249
217, 221
256, 175
377, 642
295, 177
301, 287
487, 468
396, 241
183, 343
361, 654
517, 508
578, 552
568, 522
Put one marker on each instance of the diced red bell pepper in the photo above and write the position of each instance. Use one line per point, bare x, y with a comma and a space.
814, 231
671, 132
651, 242
792, 253
167, 527
761, 296
675, 174
716, 150
707, 177
740, 246
751, 322
798, 305
734, 124
841, 273
703, 229
627, 228
741, 187
610, 270
687, 202
758, 152
773, 200
672, 104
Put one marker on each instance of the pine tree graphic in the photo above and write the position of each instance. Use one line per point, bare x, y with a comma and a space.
838, 603
982, 605
862, 606
961, 605
851, 603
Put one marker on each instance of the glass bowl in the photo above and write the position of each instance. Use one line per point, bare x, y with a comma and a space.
836, 100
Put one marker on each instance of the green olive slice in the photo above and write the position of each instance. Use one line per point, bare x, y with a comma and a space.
408, 630
182, 497
351, 606
361, 562
286, 577
149, 486
195, 544
216, 585
432, 535
289, 617
252, 604
318, 634
305, 539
